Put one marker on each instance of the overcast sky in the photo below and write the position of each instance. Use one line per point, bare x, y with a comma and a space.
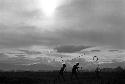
75, 22
100, 22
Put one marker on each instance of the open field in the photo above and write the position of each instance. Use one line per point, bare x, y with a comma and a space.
50, 78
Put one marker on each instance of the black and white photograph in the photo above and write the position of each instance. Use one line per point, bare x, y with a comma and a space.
62, 41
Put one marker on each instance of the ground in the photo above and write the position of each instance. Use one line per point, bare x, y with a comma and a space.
51, 78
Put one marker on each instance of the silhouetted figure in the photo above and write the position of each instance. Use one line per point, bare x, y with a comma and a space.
74, 71
62, 71
97, 71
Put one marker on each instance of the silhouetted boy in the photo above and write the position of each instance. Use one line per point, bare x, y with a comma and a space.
62, 71
74, 71
97, 71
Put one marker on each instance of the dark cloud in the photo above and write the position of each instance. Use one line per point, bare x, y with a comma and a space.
3, 55
20, 55
22, 36
95, 50
15, 53
113, 50
94, 22
70, 48
114, 38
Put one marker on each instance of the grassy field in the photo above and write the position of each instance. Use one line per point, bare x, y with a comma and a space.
50, 78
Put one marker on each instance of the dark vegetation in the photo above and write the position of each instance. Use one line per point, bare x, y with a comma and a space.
39, 77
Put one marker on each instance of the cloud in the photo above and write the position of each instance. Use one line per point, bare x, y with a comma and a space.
82, 22
15, 53
95, 50
70, 48
2, 55
114, 38
22, 36
113, 50
20, 55
28, 52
